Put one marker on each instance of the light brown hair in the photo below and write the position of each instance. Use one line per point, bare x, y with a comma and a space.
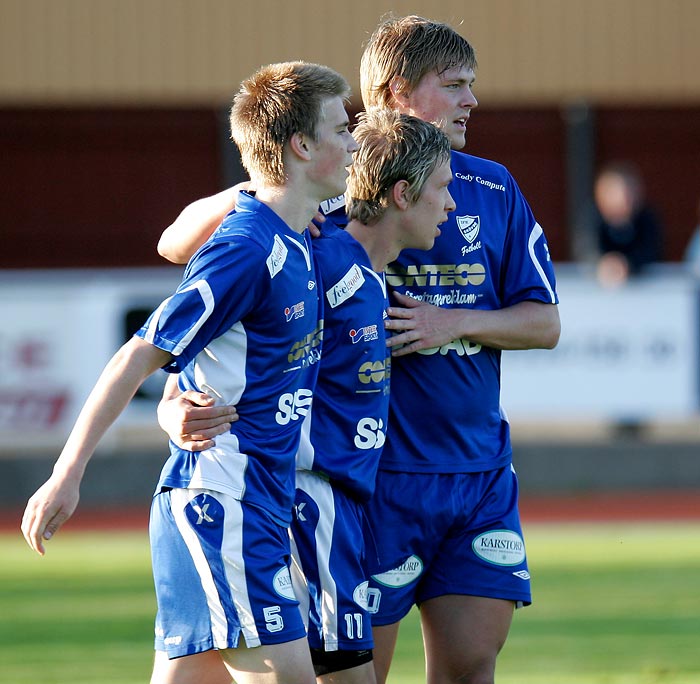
272, 105
408, 48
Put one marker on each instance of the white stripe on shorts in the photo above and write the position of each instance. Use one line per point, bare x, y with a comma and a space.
234, 565
322, 493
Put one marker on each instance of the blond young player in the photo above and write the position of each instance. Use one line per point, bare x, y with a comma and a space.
219, 517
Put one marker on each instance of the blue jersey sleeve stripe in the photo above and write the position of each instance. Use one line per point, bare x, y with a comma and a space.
535, 235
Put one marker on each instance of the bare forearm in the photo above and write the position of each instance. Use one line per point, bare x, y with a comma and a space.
527, 325
54, 502
116, 386
171, 389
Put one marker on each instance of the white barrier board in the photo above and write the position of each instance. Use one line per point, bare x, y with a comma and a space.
630, 353
625, 353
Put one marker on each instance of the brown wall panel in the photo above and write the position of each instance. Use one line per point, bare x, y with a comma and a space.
531, 142
96, 187
91, 187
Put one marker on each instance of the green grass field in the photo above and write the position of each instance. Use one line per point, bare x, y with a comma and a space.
614, 604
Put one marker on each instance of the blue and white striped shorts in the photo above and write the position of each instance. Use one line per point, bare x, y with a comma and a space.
221, 569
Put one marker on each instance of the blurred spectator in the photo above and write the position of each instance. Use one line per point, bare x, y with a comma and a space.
692, 251
628, 230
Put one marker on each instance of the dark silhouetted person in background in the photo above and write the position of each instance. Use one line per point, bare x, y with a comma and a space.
628, 231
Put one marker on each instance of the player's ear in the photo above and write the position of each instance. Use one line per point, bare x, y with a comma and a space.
399, 89
299, 146
400, 195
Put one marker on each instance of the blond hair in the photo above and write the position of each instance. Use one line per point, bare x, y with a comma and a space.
393, 147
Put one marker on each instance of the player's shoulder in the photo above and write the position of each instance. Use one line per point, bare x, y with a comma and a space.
468, 163
335, 248
237, 232
252, 223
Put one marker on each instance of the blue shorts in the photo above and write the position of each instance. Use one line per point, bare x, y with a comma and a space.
328, 541
440, 534
221, 570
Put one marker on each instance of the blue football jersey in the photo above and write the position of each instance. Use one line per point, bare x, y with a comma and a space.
445, 412
345, 431
244, 327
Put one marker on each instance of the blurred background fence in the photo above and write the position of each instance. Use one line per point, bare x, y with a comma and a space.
113, 117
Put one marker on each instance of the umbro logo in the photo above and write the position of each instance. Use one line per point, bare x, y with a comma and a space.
523, 574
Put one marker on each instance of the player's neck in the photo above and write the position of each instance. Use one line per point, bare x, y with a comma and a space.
377, 240
291, 206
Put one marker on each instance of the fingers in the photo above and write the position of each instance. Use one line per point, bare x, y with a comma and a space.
40, 524
208, 432
200, 421
405, 349
197, 398
197, 445
200, 407
54, 524
33, 533
49, 507
399, 323
396, 340
202, 438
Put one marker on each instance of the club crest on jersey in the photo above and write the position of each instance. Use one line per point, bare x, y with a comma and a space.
346, 287
366, 334
277, 257
469, 227
294, 312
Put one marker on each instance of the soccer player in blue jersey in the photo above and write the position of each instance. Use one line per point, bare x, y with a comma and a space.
446, 504
451, 540
244, 326
397, 196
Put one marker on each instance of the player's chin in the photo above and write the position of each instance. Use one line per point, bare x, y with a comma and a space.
338, 188
458, 139
430, 241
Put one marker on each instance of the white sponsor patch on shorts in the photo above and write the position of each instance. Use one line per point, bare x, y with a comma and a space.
283, 584
360, 595
408, 571
500, 547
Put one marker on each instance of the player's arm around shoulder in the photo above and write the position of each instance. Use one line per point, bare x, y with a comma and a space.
195, 224
192, 419
56, 500
420, 325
